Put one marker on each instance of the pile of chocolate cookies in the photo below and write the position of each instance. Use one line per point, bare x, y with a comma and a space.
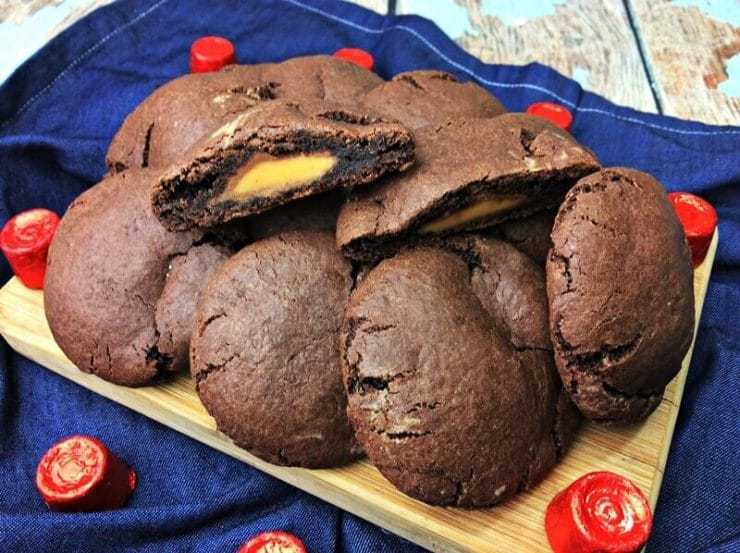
398, 269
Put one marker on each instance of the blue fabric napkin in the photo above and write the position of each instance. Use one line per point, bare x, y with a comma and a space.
58, 113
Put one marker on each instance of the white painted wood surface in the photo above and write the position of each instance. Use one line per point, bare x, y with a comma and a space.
693, 53
691, 48
380, 6
590, 41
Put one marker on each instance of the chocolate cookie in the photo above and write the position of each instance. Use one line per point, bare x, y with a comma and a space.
530, 235
175, 310
275, 153
421, 98
181, 111
107, 269
176, 115
619, 282
469, 174
265, 350
320, 78
447, 364
311, 213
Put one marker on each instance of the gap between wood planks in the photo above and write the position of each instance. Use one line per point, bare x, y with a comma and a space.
649, 74
575, 41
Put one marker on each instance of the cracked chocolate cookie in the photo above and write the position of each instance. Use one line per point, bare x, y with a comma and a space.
320, 78
175, 310
265, 350
421, 98
176, 115
448, 368
107, 268
620, 287
275, 153
530, 235
469, 174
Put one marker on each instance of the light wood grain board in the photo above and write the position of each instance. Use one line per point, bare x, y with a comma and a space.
590, 41
638, 452
688, 49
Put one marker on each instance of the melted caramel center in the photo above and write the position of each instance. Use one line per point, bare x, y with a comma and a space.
266, 173
474, 212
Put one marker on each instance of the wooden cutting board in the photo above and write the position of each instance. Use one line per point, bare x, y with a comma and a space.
638, 452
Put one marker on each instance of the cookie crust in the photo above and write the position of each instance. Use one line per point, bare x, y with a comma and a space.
265, 351
107, 268
451, 385
620, 287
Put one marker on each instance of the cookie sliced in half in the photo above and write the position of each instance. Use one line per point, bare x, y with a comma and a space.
469, 174
275, 153
620, 286
179, 113
421, 98
448, 368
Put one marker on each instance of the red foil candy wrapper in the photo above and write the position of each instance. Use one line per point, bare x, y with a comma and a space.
276, 541
699, 219
25, 241
600, 512
80, 474
357, 56
211, 53
555, 113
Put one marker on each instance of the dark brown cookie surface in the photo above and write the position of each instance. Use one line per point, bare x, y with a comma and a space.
106, 271
180, 112
530, 235
312, 213
275, 153
422, 98
468, 174
452, 389
265, 350
187, 276
320, 78
620, 287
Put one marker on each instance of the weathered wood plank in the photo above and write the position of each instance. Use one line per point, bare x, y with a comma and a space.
17, 11
688, 46
588, 40
26, 25
380, 6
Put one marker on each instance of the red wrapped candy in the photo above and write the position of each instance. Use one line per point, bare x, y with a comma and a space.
25, 241
80, 474
555, 113
600, 512
267, 542
357, 56
211, 53
699, 219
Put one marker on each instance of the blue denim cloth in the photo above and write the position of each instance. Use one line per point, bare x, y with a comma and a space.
58, 113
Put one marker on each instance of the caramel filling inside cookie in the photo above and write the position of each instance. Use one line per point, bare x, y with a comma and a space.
474, 212
266, 173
